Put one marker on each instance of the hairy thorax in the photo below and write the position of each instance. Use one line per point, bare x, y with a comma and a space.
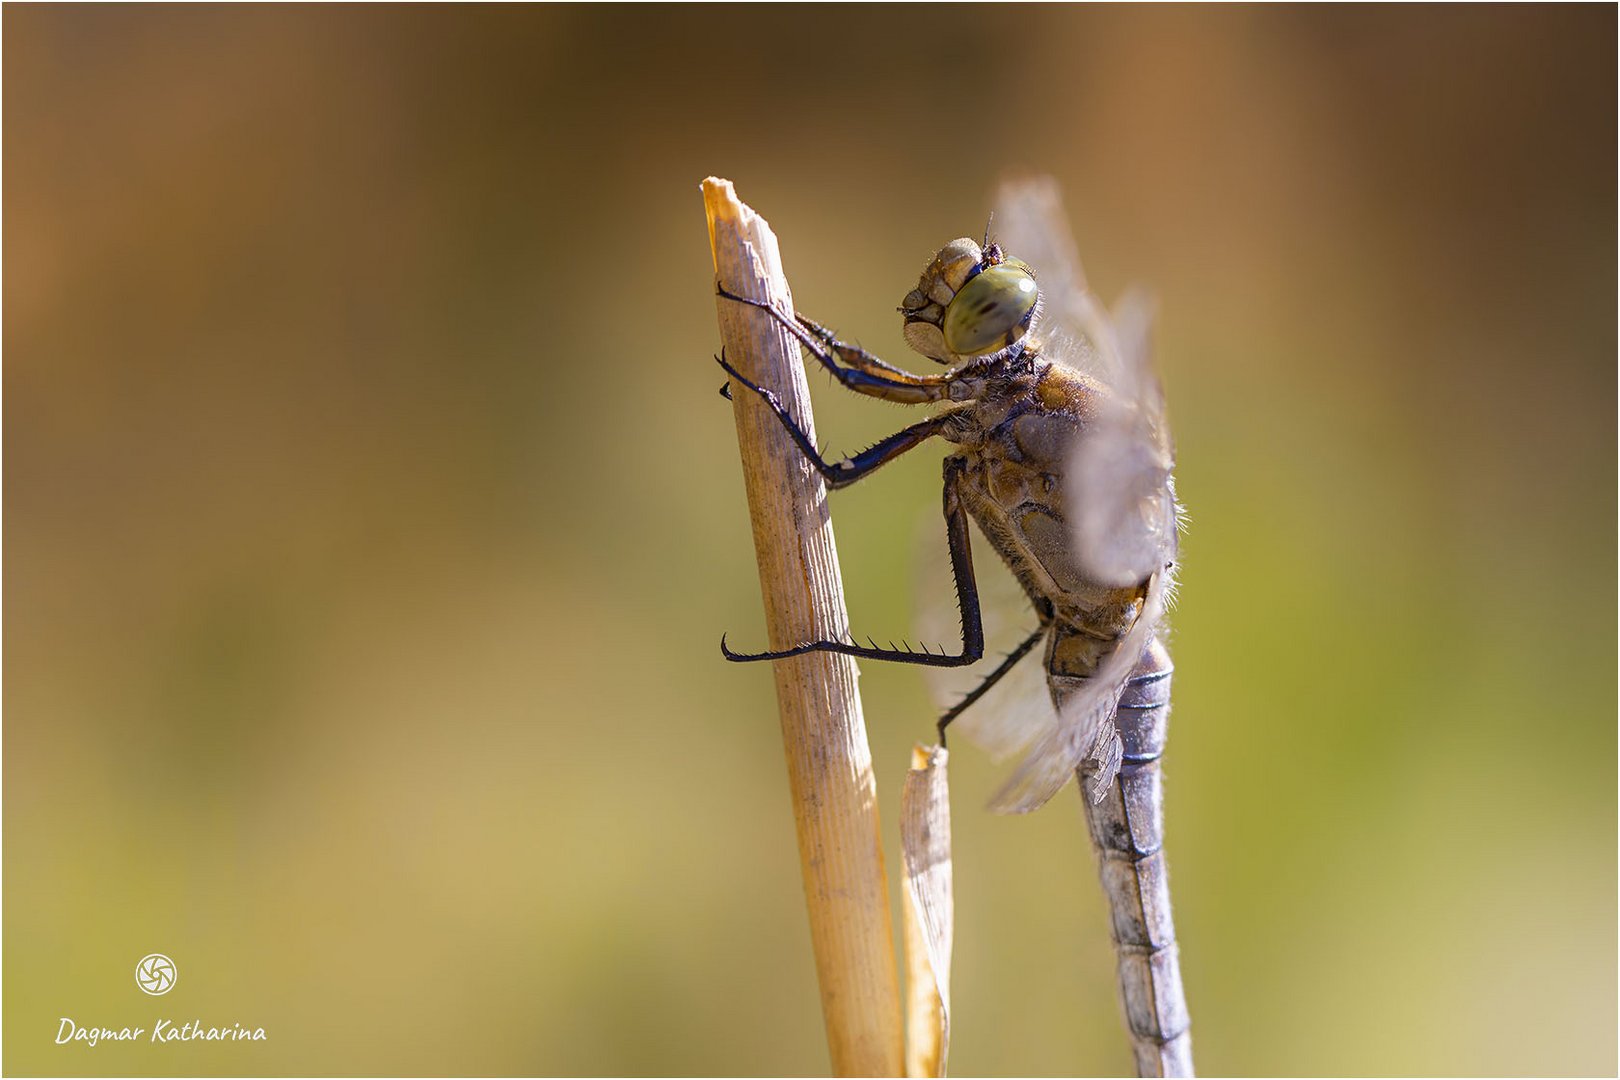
1015, 441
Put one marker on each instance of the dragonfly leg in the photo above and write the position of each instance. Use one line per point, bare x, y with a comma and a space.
857, 357
875, 378
967, 601
843, 473
990, 680
1045, 613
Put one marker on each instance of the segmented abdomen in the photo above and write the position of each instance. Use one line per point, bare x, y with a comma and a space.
1127, 831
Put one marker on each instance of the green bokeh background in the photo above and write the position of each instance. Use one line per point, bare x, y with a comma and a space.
372, 523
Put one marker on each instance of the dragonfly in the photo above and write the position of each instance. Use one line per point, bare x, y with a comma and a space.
1063, 459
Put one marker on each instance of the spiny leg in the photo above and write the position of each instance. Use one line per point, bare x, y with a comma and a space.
888, 383
846, 472
1045, 614
967, 600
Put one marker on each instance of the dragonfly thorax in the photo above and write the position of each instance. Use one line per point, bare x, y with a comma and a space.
970, 303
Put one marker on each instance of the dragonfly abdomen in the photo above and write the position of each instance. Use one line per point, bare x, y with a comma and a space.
1127, 830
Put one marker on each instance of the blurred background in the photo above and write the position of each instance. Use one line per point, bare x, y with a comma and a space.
373, 522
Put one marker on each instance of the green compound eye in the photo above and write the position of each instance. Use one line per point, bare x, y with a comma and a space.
992, 310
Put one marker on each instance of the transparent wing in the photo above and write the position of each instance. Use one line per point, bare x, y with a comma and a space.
1018, 716
1120, 490
1119, 495
1029, 223
1084, 721
1119, 500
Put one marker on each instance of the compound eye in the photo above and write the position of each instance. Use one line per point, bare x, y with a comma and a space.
992, 310
950, 269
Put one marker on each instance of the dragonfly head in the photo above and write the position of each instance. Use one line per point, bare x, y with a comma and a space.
971, 301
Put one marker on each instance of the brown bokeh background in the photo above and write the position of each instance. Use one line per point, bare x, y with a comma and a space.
372, 524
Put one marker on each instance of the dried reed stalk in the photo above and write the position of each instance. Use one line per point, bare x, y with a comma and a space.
829, 761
